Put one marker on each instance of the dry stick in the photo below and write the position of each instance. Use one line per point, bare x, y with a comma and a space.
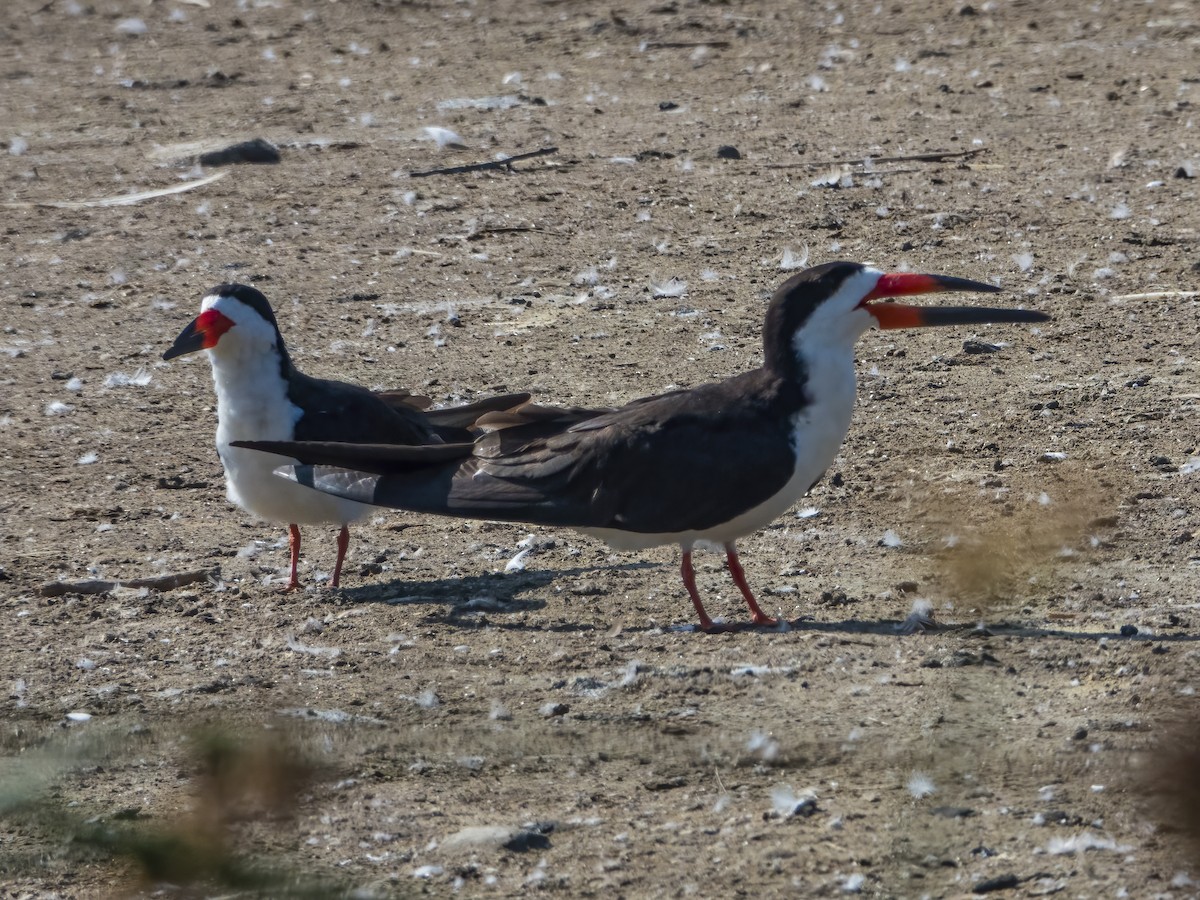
507, 229
156, 583
940, 156
479, 167
686, 45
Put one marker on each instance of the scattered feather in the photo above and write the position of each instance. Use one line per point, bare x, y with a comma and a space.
485, 103
672, 287
58, 408
830, 178
499, 712
120, 199
88, 458
140, 378
762, 745
786, 803
74, 385
630, 678
1080, 843
1192, 465
517, 563
444, 138
131, 26
919, 619
17, 146
920, 785
1024, 261
808, 512
1120, 211
792, 260
853, 884
891, 539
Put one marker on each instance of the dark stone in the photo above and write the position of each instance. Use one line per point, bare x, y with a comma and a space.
999, 883
255, 151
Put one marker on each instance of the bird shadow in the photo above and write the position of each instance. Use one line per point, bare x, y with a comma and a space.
485, 600
468, 597
895, 628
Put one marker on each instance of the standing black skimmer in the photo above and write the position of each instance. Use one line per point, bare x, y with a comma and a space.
261, 396
713, 463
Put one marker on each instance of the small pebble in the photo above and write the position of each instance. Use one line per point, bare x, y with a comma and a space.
999, 883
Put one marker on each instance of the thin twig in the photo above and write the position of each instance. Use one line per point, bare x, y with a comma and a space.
939, 156
480, 167
685, 45
506, 229
155, 583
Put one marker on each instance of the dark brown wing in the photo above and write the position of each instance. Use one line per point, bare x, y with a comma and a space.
684, 461
354, 414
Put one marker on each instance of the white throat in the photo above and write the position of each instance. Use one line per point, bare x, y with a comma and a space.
253, 404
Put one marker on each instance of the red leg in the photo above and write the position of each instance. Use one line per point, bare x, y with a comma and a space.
757, 616
294, 541
689, 582
343, 541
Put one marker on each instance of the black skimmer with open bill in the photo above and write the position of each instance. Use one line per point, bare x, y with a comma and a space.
713, 463
261, 396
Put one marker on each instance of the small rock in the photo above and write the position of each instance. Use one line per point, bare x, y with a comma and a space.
952, 812
551, 710
255, 151
668, 105
999, 883
975, 347
726, 151
1129, 630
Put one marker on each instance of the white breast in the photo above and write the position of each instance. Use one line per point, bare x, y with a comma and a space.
252, 404
826, 348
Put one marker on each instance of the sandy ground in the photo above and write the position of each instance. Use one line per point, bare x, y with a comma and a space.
1044, 487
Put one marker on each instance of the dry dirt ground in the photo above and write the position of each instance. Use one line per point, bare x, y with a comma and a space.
1042, 485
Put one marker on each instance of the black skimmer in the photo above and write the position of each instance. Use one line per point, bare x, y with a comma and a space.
261, 396
713, 463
